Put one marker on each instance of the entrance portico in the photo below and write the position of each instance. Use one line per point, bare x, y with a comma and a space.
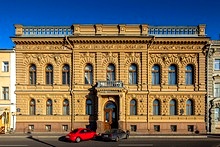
111, 108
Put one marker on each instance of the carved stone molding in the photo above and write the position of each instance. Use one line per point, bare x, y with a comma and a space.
42, 47
46, 58
175, 47
109, 46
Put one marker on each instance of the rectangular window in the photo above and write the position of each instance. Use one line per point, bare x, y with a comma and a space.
217, 90
173, 128
217, 114
30, 128
48, 128
65, 127
5, 66
217, 64
5, 93
157, 128
133, 128
190, 128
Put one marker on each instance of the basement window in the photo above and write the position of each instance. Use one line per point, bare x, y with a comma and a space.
133, 128
48, 128
65, 127
157, 128
190, 128
173, 128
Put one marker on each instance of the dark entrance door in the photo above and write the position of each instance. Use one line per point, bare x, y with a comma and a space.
111, 116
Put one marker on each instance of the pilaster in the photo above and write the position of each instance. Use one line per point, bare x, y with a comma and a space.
202, 72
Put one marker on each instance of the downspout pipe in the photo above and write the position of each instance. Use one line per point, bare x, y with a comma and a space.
71, 84
148, 91
207, 87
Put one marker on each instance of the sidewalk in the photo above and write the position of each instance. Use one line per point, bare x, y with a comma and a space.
58, 135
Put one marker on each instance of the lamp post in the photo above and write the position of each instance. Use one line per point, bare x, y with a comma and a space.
13, 121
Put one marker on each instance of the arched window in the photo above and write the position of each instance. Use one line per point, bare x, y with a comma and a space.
49, 107
66, 107
172, 77
66, 74
49, 74
133, 74
110, 73
32, 107
88, 74
189, 107
155, 75
88, 107
133, 107
189, 75
173, 107
156, 107
217, 114
32, 74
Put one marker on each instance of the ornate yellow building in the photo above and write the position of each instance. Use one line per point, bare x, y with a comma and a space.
142, 78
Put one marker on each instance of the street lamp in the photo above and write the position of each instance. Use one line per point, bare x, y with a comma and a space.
13, 120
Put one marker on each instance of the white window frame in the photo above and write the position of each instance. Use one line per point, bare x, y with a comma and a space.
217, 65
5, 66
217, 114
217, 90
5, 93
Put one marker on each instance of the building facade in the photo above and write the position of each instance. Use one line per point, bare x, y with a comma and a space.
7, 85
141, 78
213, 87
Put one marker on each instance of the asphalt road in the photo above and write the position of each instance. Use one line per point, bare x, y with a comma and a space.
131, 142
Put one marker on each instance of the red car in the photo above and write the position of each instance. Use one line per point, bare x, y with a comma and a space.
81, 134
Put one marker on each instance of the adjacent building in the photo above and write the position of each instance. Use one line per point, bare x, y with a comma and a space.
213, 87
7, 86
141, 78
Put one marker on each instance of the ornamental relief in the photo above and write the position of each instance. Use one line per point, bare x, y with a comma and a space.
167, 59
132, 58
87, 58
176, 47
43, 47
217, 104
47, 58
109, 58
109, 46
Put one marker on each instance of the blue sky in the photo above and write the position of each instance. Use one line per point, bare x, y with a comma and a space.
68, 12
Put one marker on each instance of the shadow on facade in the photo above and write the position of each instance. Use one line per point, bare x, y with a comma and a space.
93, 117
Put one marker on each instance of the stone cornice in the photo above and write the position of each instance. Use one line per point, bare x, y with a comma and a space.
108, 41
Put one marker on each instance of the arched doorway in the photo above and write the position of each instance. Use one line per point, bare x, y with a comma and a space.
110, 115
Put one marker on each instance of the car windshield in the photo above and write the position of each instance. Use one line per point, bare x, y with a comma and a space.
75, 130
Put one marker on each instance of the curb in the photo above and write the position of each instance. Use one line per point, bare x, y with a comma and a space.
136, 137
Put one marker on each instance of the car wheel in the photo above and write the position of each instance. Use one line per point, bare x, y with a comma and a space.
78, 139
117, 139
127, 136
94, 137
